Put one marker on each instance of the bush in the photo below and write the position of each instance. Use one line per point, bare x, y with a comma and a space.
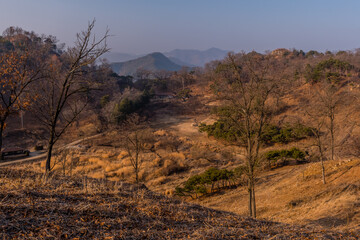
225, 130
281, 157
127, 106
273, 134
212, 178
221, 129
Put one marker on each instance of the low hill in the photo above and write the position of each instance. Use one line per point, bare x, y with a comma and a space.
60, 208
197, 57
153, 62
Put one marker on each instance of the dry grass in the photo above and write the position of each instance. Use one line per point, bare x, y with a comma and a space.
292, 194
61, 208
296, 194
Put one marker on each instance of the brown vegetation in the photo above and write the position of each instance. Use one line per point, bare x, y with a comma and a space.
260, 98
87, 208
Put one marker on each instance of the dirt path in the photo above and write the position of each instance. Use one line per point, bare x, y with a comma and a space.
38, 156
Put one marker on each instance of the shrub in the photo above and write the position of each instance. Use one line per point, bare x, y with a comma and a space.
104, 100
127, 106
212, 178
273, 157
172, 166
220, 129
225, 130
286, 134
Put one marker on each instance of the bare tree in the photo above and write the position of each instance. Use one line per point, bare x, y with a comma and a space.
63, 95
135, 146
135, 139
317, 122
328, 99
245, 83
321, 111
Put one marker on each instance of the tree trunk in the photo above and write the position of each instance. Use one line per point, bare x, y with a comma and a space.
2, 124
251, 190
323, 170
321, 160
250, 199
49, 153
137, 163
332, 136
253, 199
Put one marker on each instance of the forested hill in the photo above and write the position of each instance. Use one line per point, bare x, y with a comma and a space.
152, 62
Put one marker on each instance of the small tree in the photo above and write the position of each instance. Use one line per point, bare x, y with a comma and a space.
135, 139
317, 121
135, 146
329, 101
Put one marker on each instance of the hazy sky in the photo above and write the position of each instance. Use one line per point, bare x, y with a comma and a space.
143, 26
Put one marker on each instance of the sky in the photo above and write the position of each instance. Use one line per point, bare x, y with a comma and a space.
144, 26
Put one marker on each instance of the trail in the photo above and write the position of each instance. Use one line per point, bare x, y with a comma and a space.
40, 155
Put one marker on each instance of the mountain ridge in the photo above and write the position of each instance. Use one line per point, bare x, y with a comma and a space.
153, 62
197, 57
182, 57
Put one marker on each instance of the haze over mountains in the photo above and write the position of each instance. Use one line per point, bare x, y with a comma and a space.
196, 57
152, 62
127, 64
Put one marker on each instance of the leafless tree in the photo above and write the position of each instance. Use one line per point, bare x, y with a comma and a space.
136, 136
321, 111
135, 146
328, 100
63, 95
245, 83
317, 123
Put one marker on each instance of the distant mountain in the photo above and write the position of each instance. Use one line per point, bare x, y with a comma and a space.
153, 62
119, 57
181, 63
197, 57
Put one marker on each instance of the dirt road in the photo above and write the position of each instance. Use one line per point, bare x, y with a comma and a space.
40, 155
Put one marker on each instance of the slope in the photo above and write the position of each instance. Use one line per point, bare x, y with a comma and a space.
60, 207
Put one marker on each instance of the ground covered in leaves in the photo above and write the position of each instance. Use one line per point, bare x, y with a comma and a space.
81, 208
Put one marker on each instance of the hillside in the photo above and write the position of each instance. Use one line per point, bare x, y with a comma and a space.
197, 57
174, 151
289, 194
60, 207
152, 62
